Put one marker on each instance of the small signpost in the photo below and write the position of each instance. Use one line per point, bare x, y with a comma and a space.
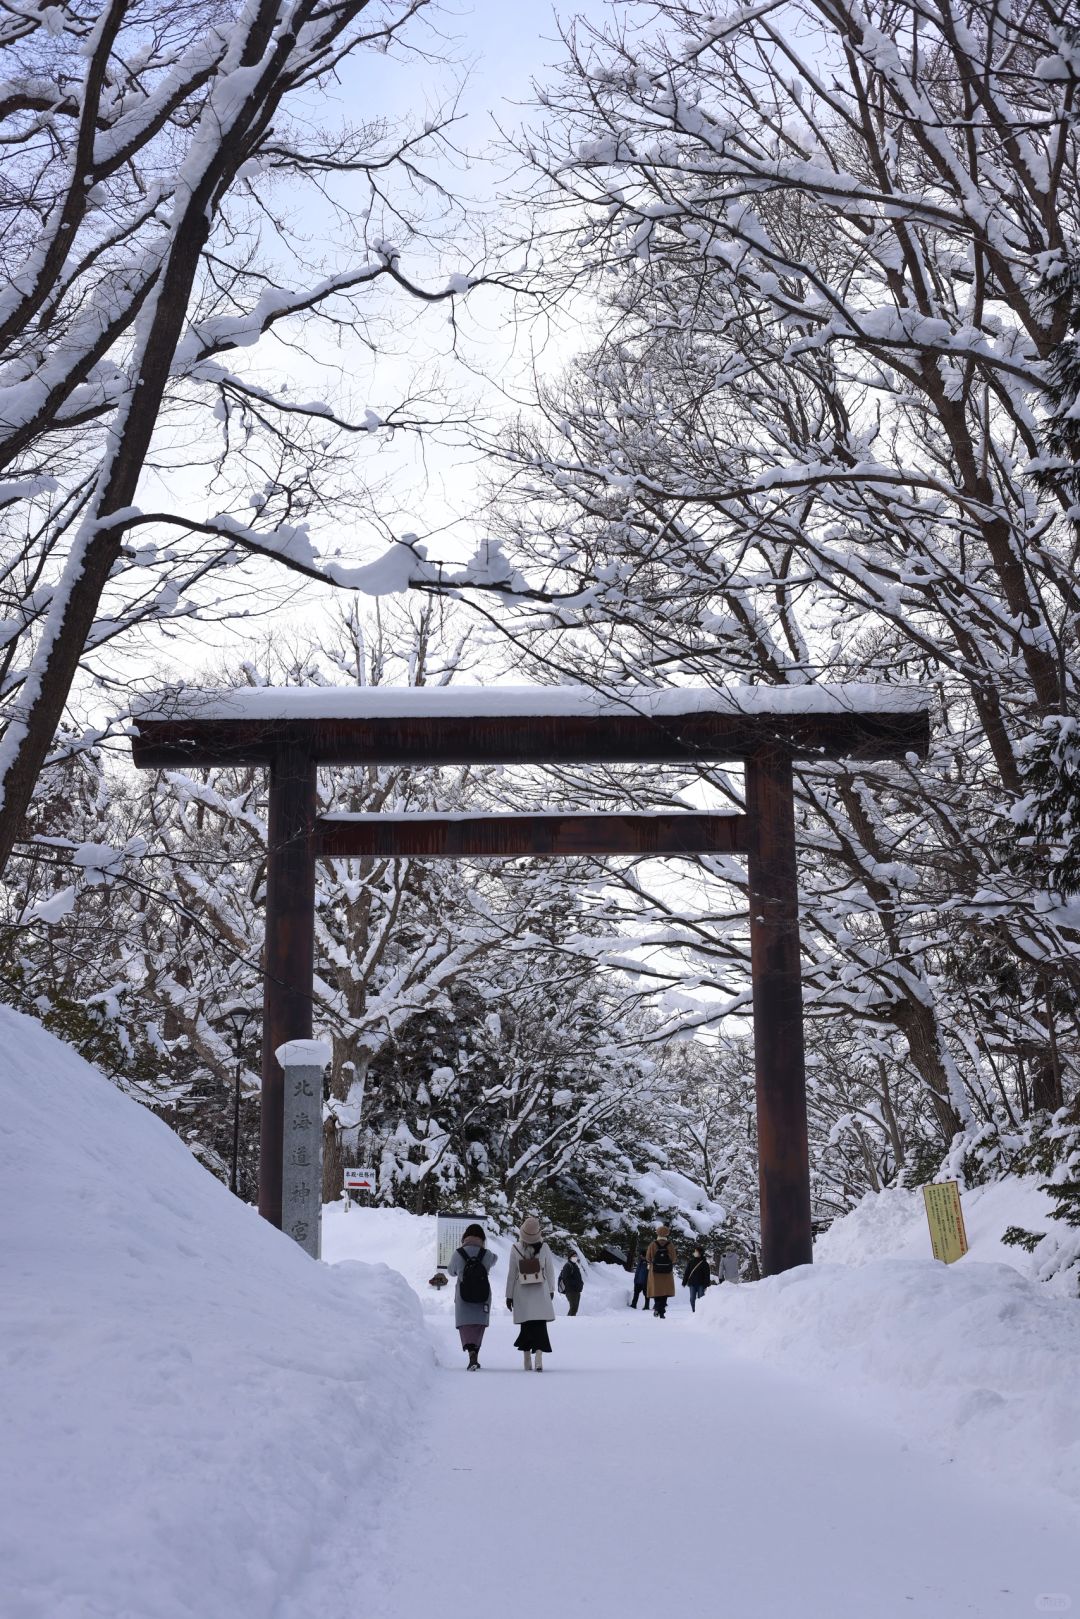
301, 1155
946, 1219
449, 1230
358, 1180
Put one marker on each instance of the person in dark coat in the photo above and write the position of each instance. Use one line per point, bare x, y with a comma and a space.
571, 1283
697, 1277
471, 1316
660, 1255
530, 1292
641, 1283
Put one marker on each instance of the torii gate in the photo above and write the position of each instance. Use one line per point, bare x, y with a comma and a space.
293, 730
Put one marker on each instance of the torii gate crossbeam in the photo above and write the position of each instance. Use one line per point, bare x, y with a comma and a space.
293, 731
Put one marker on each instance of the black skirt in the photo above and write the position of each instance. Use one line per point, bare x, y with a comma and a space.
533, 1335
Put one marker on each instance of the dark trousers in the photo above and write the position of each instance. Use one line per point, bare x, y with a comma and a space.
695, 1294
637, 1294
660, 1307
573, 1300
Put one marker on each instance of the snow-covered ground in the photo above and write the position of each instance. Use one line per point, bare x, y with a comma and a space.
187, 1401
198, 1420
797, 1446
652, 1471
972, 1363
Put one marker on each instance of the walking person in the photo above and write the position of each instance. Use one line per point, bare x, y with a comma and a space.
660, 1257
530, 1292
571, 1282
641, 1284
470, 1264
697, 1277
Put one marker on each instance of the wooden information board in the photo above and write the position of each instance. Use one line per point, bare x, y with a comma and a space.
946, 1218
449, 1230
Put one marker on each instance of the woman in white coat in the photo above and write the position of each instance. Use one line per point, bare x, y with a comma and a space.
530, 1292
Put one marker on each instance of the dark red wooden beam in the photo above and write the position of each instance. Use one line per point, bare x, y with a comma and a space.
391, 837
453, 739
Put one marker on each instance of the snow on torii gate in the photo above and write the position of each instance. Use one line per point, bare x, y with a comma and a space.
293, 730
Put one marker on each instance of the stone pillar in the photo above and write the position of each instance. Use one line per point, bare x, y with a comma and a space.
304, 1062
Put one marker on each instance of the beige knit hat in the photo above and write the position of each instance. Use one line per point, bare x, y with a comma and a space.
530, 1229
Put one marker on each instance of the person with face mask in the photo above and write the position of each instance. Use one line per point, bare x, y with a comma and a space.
696, 1276
571, 1283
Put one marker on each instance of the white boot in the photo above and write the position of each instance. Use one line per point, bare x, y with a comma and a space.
528, 1361
539, 1360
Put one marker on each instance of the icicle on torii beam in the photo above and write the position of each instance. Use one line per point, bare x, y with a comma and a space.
292, 731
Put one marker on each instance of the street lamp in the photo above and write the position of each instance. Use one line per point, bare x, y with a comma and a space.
238, 1019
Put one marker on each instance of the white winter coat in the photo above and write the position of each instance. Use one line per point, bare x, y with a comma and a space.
532, 1301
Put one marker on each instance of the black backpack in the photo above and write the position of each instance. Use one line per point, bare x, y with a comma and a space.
474, 1286
662, 1265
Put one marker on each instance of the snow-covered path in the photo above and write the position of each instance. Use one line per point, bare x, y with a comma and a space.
197, 1422
646, 1471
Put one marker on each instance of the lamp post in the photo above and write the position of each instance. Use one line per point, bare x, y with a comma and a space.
238, 1020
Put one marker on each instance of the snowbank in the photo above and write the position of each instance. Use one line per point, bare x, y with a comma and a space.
972, 1360
188, 1400
893, 1224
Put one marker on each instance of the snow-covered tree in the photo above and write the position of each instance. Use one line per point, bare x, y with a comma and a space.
1050, 812
802, 450
167, 315
478, 1051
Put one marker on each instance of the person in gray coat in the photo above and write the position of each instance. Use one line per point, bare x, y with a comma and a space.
530, 1292
470, 1264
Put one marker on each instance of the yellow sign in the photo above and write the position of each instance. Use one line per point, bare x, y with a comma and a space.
943, 1211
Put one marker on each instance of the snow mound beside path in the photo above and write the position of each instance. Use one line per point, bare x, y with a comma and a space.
187, 1400
892, 1224
972, 1360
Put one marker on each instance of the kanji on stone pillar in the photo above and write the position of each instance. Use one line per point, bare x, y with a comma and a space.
304, 1062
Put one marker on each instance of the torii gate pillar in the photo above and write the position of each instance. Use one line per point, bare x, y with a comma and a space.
289, 951
779, 1058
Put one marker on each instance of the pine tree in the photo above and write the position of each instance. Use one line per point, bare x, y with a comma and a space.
1066, 1196
1049, 815
1059, 470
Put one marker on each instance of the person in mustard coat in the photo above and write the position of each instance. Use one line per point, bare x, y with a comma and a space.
660, 1258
